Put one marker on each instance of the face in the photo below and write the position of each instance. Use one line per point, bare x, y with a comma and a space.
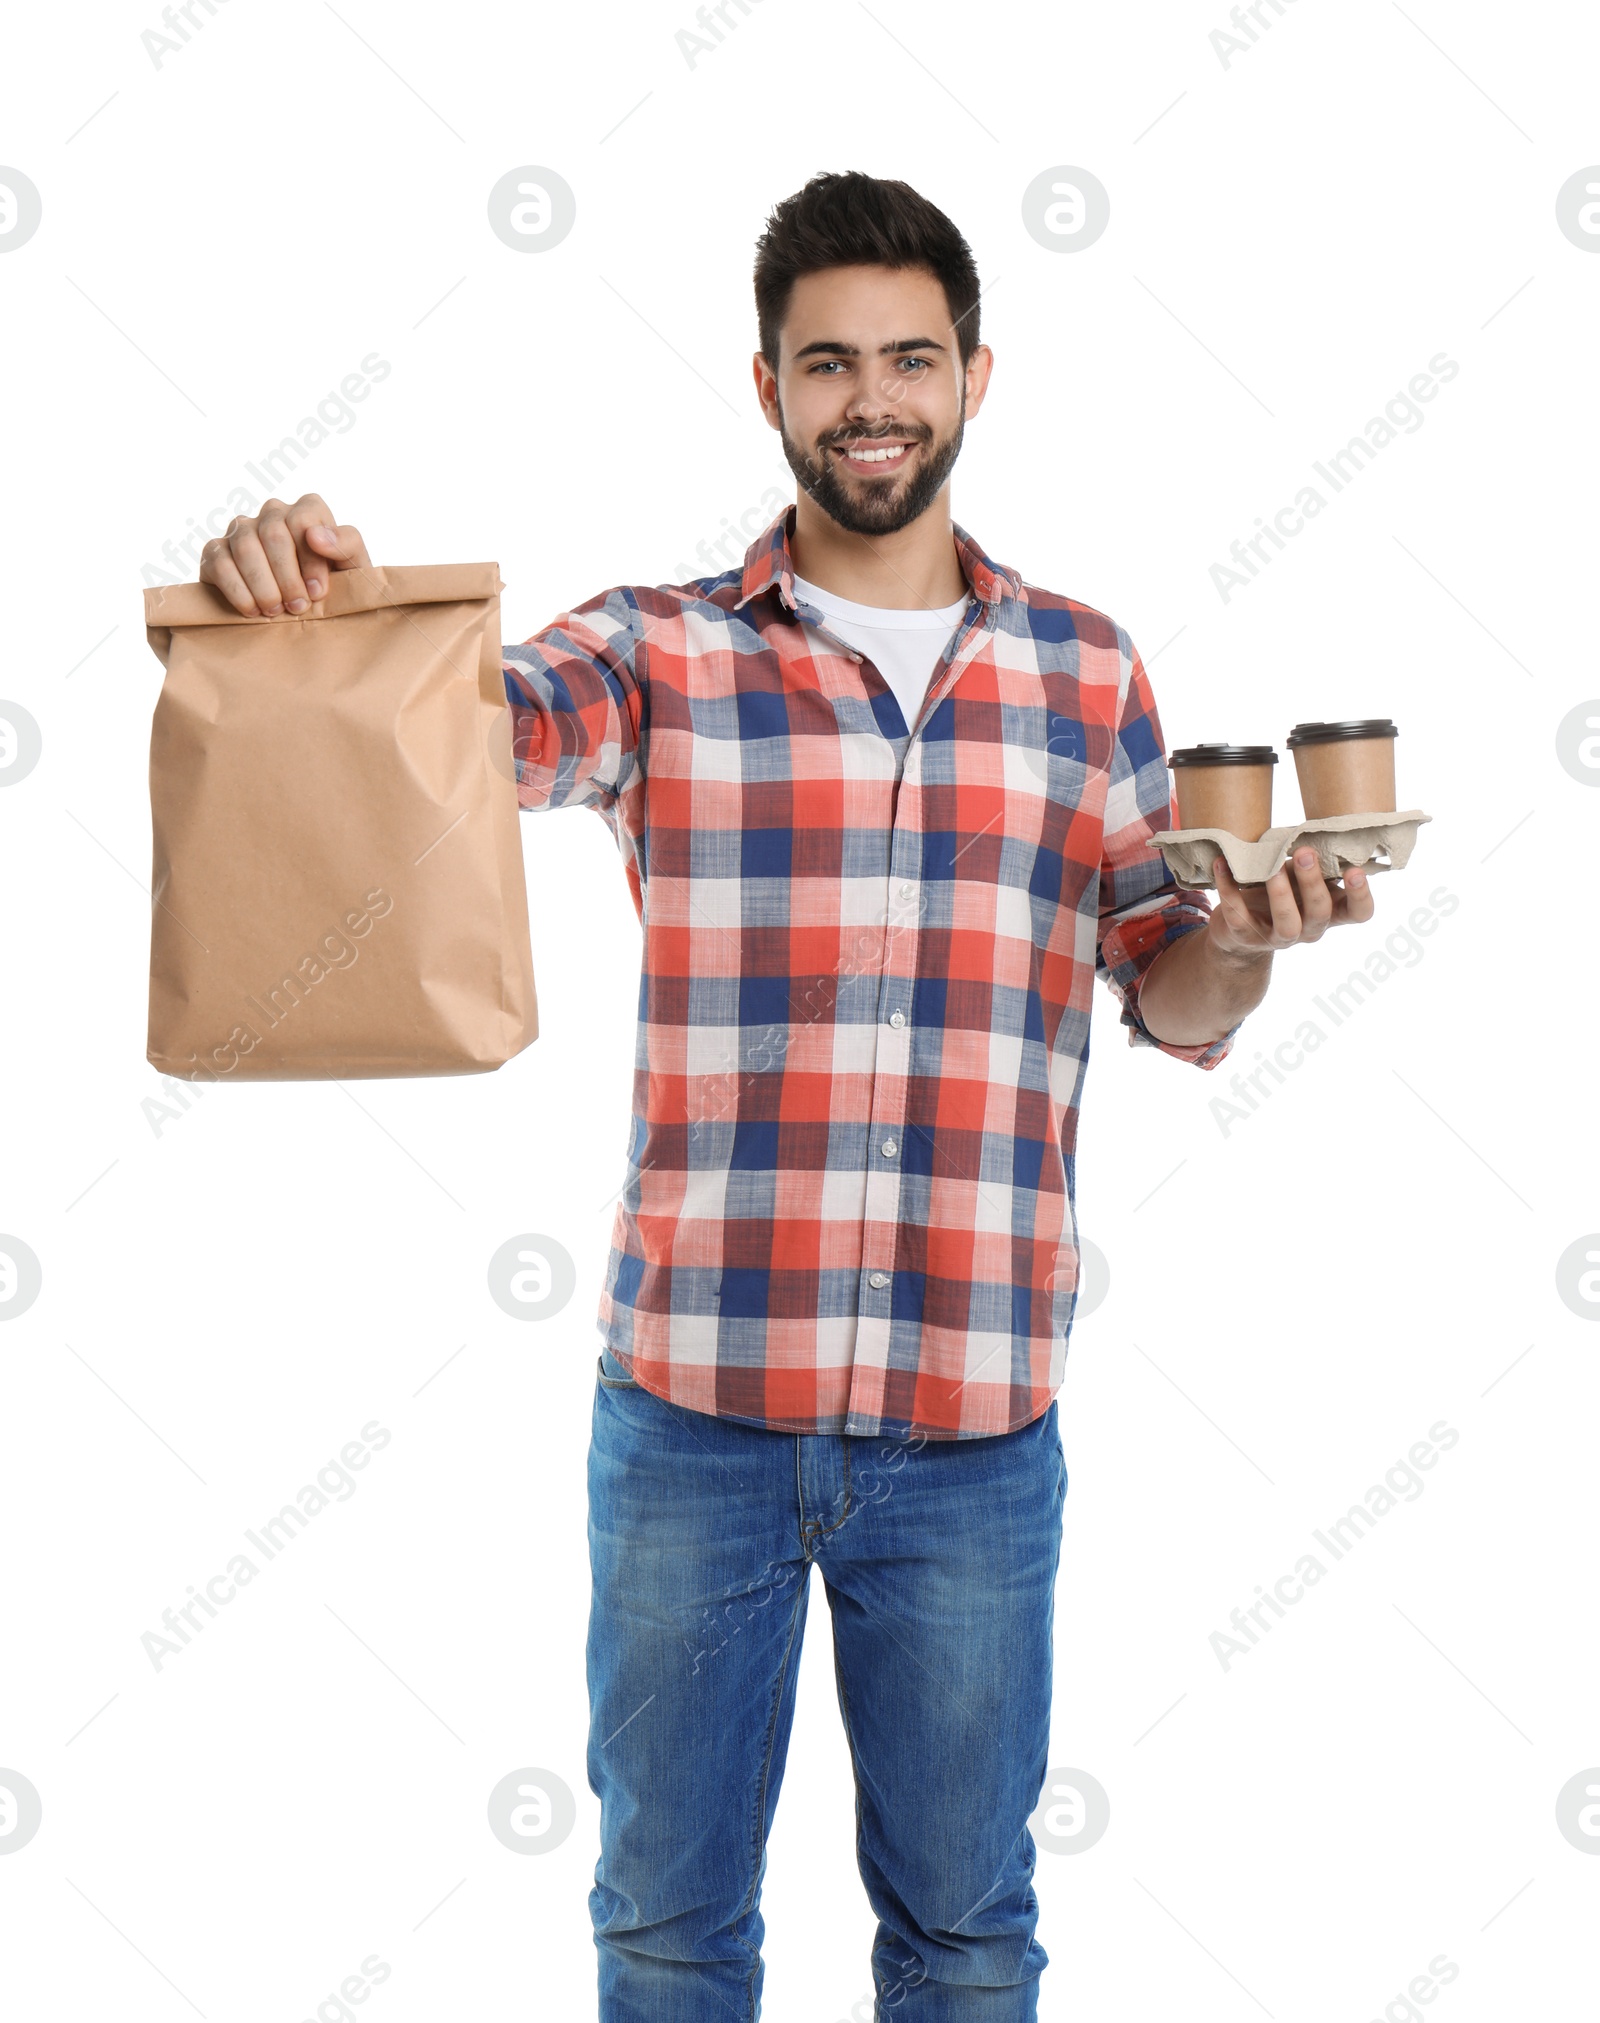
870, 397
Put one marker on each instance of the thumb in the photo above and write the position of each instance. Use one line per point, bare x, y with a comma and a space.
338, 548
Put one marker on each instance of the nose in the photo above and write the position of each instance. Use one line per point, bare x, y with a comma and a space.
874, 400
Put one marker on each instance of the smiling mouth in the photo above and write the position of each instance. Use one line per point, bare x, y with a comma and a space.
864, 454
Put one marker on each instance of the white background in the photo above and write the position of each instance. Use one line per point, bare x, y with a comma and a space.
1293, 1301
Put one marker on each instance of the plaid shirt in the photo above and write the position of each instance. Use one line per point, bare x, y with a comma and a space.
869, 954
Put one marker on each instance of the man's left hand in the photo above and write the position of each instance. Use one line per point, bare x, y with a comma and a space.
1260, 919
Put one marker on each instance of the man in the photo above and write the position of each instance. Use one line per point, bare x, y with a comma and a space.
883, 811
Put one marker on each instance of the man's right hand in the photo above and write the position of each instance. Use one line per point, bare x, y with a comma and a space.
279, 563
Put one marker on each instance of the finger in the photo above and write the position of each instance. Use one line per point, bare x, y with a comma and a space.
335, 547
249, 558
316, 564
1251, 897
1358, 900
1316, 896
278, 545
1232, 904
1354, 892
1285, 913
217, 567
347, 549
310, 512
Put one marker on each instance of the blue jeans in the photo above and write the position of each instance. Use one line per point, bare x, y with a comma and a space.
939, 1559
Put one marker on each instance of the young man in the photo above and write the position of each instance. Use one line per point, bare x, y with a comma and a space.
883, 809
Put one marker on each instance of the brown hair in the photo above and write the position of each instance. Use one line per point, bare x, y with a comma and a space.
852, 220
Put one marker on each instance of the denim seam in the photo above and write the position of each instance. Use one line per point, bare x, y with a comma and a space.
827, 1530
800, 1503
757, 1833
810, 1532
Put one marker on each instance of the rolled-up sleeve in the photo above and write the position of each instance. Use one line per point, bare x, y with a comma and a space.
578, 694
1142, 908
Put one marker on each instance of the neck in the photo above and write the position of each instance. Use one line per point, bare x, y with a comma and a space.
913, 570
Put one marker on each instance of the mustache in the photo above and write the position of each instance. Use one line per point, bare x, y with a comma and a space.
915, 432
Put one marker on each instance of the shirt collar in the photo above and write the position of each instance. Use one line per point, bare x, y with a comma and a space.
768, 563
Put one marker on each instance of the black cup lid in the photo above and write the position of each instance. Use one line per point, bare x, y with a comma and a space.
1223, 755
1347, 727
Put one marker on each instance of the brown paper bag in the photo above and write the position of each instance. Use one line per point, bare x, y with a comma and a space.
338, 884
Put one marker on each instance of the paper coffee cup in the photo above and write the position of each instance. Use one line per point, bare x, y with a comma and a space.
1345, 768
1224, 787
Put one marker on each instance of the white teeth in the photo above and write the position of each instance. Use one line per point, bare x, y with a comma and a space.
865, 456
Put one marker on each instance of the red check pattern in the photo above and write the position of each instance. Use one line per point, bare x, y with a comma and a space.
869, 956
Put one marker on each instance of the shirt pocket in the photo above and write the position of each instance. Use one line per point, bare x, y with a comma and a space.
1056, 770
1050, 776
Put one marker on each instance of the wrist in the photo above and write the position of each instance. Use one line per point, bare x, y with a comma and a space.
1238, 961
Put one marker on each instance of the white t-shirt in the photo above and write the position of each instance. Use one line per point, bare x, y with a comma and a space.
904, 646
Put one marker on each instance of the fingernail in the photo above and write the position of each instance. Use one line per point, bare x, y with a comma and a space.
1305, 857
314, 585
272, 610
297, 604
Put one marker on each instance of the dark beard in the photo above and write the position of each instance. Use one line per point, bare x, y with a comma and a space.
881, 509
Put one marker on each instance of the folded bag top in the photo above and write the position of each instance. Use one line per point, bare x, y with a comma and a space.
337, 883
348, 591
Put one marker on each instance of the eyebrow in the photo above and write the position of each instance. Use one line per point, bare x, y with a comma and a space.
833, 346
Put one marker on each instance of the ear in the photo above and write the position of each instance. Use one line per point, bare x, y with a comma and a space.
766, 390
979, 366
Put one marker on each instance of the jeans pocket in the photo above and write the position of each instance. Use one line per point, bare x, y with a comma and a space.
616, 1377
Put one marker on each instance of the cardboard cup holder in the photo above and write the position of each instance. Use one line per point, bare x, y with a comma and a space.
1340, 841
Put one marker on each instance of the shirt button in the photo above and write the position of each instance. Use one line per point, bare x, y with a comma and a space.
889, 1148
906, 891
897, 1018
879, 1279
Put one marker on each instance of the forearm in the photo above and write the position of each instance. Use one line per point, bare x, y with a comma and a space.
1193, 994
